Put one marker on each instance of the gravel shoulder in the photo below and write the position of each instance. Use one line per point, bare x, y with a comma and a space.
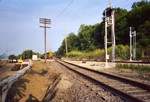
128, 73
81, 90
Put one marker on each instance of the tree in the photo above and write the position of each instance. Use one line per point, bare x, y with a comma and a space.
88, 37
121, 28
11, 57
139, 17
73, 42
27, 54
140, 4
91, 37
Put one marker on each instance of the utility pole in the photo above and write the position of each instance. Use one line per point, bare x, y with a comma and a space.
66, 41
45, 21
49, 47
110, 4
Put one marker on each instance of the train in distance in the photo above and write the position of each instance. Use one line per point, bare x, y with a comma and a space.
49, 55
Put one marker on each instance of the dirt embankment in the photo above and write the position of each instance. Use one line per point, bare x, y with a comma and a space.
5, 71
38, 84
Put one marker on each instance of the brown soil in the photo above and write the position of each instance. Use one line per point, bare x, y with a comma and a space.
5, 71
34, 85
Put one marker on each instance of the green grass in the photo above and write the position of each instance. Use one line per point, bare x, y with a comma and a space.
38, 60
142, 68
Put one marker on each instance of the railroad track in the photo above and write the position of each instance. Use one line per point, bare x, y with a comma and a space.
127, 89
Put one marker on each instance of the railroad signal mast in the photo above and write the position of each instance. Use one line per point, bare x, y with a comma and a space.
110, 21
45, 22
132, 48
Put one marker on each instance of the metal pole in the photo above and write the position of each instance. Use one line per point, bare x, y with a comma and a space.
106, 63
113, 37
134, 45
130, 45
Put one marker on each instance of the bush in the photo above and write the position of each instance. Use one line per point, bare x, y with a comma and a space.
76, 54
98, 54
121, 52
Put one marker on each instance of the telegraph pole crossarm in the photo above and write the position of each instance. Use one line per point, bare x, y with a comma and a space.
45, 21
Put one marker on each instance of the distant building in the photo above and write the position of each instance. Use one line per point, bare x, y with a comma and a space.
34, 57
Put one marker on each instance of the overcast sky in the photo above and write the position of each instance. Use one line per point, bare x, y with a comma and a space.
20, 28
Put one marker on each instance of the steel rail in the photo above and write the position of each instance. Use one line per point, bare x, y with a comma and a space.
123, 95
141, 85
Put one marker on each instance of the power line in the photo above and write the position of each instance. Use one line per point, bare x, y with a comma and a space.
87, 9
63, 11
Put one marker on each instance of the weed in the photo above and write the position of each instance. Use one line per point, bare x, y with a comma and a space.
121, 71
38, 60
142, 68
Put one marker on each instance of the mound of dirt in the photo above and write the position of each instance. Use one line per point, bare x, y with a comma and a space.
35, 85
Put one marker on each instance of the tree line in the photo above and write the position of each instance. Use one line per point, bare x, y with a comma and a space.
27, 54
91, 37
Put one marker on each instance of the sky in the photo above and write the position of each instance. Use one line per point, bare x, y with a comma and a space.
20, 28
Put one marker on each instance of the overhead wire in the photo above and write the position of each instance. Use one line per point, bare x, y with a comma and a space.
87, 8
108, 3
63, 11
81, 12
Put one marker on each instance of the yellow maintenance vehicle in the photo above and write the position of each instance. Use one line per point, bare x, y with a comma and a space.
20, 60
50, 56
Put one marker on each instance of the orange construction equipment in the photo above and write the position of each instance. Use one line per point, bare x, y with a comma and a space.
50, 56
